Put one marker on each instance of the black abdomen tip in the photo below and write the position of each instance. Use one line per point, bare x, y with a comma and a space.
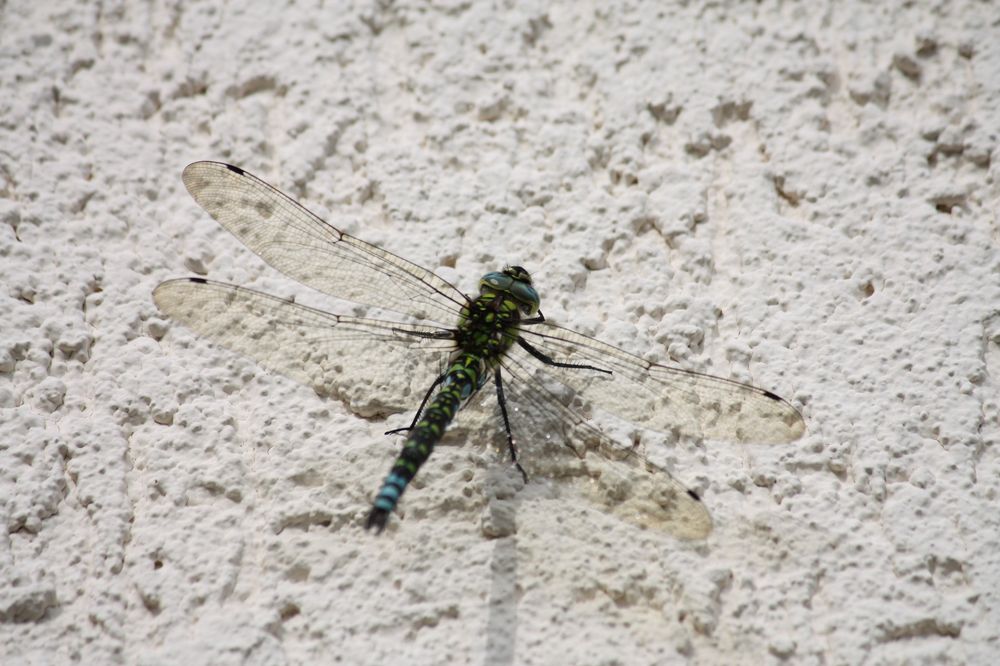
377, 519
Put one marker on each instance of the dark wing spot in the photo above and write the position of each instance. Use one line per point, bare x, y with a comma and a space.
772, 396
693, 495
198, 280
236, 169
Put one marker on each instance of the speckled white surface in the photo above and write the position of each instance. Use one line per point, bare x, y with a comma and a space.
802, 198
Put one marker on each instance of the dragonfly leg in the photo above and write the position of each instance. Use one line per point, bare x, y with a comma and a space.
506, 424
548, 360
437, 335
537, 319
420, 409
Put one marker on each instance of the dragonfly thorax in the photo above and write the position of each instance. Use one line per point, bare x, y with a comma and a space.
487, 327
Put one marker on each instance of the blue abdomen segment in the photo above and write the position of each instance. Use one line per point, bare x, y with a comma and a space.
462, 380
392, 489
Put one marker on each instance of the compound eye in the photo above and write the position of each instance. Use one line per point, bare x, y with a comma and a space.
526, 296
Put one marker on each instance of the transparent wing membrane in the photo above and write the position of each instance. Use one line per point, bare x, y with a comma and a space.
304, 247
549, 425
327, 352
660, 397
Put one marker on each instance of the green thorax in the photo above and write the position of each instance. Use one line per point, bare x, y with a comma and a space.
487, 327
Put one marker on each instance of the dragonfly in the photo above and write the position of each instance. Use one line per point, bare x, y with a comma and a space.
447, 346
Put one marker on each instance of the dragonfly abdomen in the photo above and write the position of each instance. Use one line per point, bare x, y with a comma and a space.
463, 378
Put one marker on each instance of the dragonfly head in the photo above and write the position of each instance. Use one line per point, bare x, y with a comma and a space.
515, 282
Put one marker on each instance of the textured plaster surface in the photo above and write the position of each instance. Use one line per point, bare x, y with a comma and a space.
800, 196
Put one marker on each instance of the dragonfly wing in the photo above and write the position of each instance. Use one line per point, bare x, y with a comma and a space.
660, 397
317, 254
321, 350
549, 428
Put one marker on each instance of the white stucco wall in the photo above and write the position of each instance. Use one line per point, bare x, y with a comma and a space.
800, 196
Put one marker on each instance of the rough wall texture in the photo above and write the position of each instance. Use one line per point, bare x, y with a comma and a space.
801, 196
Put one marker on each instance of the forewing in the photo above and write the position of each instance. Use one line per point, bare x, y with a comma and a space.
661, 397
555, 438
317, 254
375, 366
